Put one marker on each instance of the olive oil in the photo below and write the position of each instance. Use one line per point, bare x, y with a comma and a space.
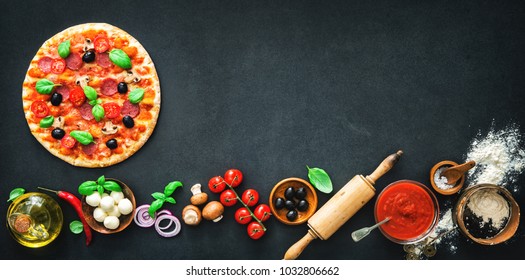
34, 219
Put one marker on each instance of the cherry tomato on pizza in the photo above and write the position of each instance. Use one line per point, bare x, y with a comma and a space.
68, 142
101, 44
228, 198
255, 230
262, 212
40, 109
77, 96
250, 197
58, 66
216, 184
233, 177
111, 110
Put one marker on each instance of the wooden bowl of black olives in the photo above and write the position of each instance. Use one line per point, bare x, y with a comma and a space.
293, 201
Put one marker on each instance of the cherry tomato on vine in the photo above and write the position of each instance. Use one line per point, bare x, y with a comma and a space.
233, 177
250, 197
216, 184
242, 216
228, 198
262, 212
255, 230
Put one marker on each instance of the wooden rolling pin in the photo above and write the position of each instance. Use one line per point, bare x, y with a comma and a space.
342, 206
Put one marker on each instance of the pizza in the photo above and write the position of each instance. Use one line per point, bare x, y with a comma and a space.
91, 95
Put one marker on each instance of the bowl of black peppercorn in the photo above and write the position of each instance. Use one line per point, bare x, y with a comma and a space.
293, 201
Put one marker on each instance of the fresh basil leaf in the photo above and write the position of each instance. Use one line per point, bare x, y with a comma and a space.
47, 121
98, 112
45, 86
90, 93
84, 137
87, 188
16, 192
100, 189
93, 102
320, 179
76, 227
101, 180
136, 95
112, 186
63, 49
156, 205
171, 187
120, 58
158, 195
170, 200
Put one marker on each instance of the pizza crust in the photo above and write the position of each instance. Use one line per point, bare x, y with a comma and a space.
79, 159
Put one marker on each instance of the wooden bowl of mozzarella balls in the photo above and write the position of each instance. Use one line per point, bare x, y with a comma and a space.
109, 212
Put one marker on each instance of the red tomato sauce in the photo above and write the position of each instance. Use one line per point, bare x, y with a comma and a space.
410, 208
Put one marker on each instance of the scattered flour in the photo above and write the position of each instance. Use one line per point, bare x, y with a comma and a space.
499, 157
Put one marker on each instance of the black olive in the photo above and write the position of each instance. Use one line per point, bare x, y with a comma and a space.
291, 215
88, 56
56, 99
112, 144
289, 193
289, 204
122, 87
302, 205
300, 193
128, 121
279, 203
58, 133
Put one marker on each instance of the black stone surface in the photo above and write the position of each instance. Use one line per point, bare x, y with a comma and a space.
269, 87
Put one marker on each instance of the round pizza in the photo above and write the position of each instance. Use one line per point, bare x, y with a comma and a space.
91, 95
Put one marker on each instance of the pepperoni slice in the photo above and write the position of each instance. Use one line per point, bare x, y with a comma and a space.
77, 96
86, 111
40, 109
64, 90
109, 87
58, 66
74, 61
103, 60
68, 142
130, 109
89, 149
111, 110
101, 44
45, 64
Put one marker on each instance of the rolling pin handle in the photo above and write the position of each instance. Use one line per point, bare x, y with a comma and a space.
296, 249
384, 167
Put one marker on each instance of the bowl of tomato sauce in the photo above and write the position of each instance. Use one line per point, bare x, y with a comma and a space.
413, 210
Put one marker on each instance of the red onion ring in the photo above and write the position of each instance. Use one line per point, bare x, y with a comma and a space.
142, 218
172, 219
164, 212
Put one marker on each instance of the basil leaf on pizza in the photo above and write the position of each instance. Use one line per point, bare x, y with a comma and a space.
47, 121
98, 112
45, 86
84, 137
90, 93
63, 49
120, 58
136, 95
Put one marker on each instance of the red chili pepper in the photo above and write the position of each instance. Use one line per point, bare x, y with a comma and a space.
77, 205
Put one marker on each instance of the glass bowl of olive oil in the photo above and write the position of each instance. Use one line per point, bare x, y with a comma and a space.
34, 219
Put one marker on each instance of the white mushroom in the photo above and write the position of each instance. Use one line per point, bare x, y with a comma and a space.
109, 128
111, 222
93, 199
88, 45
99, 215
131, 77
82, 81
58, 122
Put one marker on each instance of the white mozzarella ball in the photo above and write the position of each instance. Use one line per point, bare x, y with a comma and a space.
125, 207
93, 199
99, 214
104, 195
114, 212
111, 222
107, 203
117, 196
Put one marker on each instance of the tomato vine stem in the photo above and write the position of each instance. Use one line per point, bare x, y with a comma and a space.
244, 204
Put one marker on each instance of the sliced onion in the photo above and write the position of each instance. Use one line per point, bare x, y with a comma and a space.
172, 219
142, 218
164, 212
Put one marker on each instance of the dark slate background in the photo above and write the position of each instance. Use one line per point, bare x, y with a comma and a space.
269, 87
